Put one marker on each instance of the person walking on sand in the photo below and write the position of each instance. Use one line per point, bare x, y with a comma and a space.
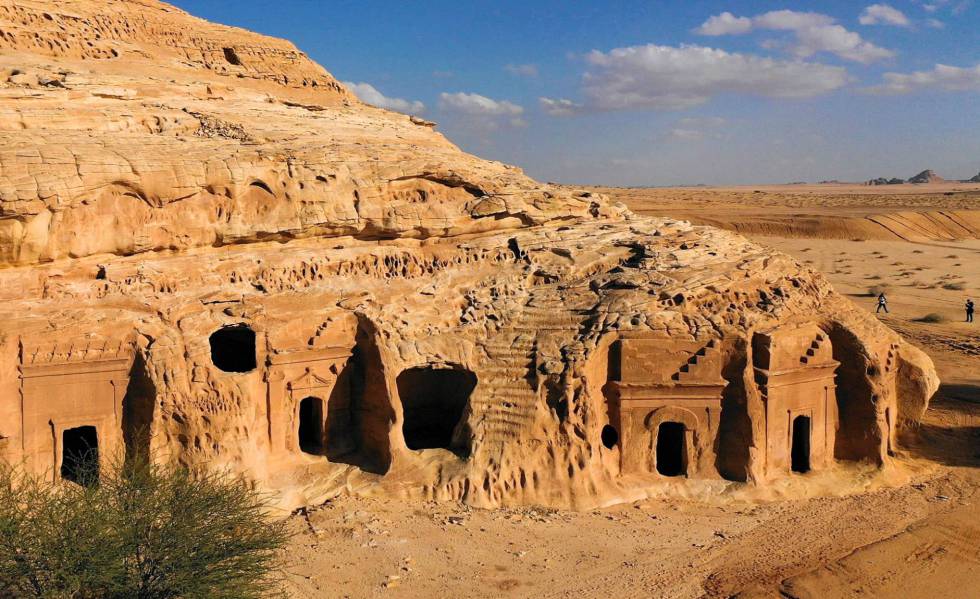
882, 303
969, 310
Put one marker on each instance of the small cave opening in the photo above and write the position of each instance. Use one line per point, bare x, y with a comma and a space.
233, 348
800, 450
80, 455
434, 401
310, 428
609, 436
232, 57
671, 449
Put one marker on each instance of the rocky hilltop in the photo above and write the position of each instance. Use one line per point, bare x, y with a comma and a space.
212, 252
926, 176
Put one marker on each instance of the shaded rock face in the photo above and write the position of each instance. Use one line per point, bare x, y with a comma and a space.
207, 258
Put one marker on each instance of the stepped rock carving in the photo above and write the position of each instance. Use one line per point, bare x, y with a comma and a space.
212, 252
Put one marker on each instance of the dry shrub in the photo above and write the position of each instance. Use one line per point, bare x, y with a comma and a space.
932, 317
138, 530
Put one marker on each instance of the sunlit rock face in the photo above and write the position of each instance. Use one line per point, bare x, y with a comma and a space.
211, 252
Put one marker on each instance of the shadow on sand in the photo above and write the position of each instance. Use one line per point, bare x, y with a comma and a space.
950, 436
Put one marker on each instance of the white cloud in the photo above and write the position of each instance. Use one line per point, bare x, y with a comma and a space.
560, 106
791, 20
477, 105
883, 14
935, 23
936, 5
369, 94
941, 77
522, 70
670, 78
814, 32
482, 111
837, 40
725, 24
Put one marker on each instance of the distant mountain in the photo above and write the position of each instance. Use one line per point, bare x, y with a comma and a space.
926, 176
975, 179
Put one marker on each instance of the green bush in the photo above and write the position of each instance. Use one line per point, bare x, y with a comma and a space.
143, 531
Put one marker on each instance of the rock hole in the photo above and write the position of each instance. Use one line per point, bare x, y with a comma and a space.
311, 425
262, 185
434, 402
80, 455
609, 436
232, 57
800, 452
233, 348
671, 449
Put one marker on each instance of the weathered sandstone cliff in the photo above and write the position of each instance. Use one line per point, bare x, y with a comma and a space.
212, 252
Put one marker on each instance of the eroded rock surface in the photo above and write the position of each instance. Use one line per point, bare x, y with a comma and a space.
212, 252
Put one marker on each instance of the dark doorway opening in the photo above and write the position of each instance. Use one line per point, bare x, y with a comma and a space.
609, 436
80, 455
311, 425
671, 449
434, 401
233, 348
801, 444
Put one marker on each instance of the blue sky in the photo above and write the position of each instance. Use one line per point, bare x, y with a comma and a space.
661, 93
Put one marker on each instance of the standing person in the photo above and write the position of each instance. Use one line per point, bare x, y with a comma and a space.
882, 303
969, 310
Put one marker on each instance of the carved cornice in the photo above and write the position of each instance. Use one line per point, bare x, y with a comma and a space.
75, 356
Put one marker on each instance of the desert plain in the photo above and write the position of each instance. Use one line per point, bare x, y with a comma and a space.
909, 531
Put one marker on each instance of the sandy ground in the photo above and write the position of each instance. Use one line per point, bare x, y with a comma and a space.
911, 531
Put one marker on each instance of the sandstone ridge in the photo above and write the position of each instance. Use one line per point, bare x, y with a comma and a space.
209, 258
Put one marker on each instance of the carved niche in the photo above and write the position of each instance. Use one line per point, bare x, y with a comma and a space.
70, 384
664, 401
795, 374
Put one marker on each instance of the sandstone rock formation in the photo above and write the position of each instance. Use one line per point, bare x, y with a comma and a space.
212, 252
886, 181
926, 176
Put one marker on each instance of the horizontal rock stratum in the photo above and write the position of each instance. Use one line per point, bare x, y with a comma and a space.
211, 251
